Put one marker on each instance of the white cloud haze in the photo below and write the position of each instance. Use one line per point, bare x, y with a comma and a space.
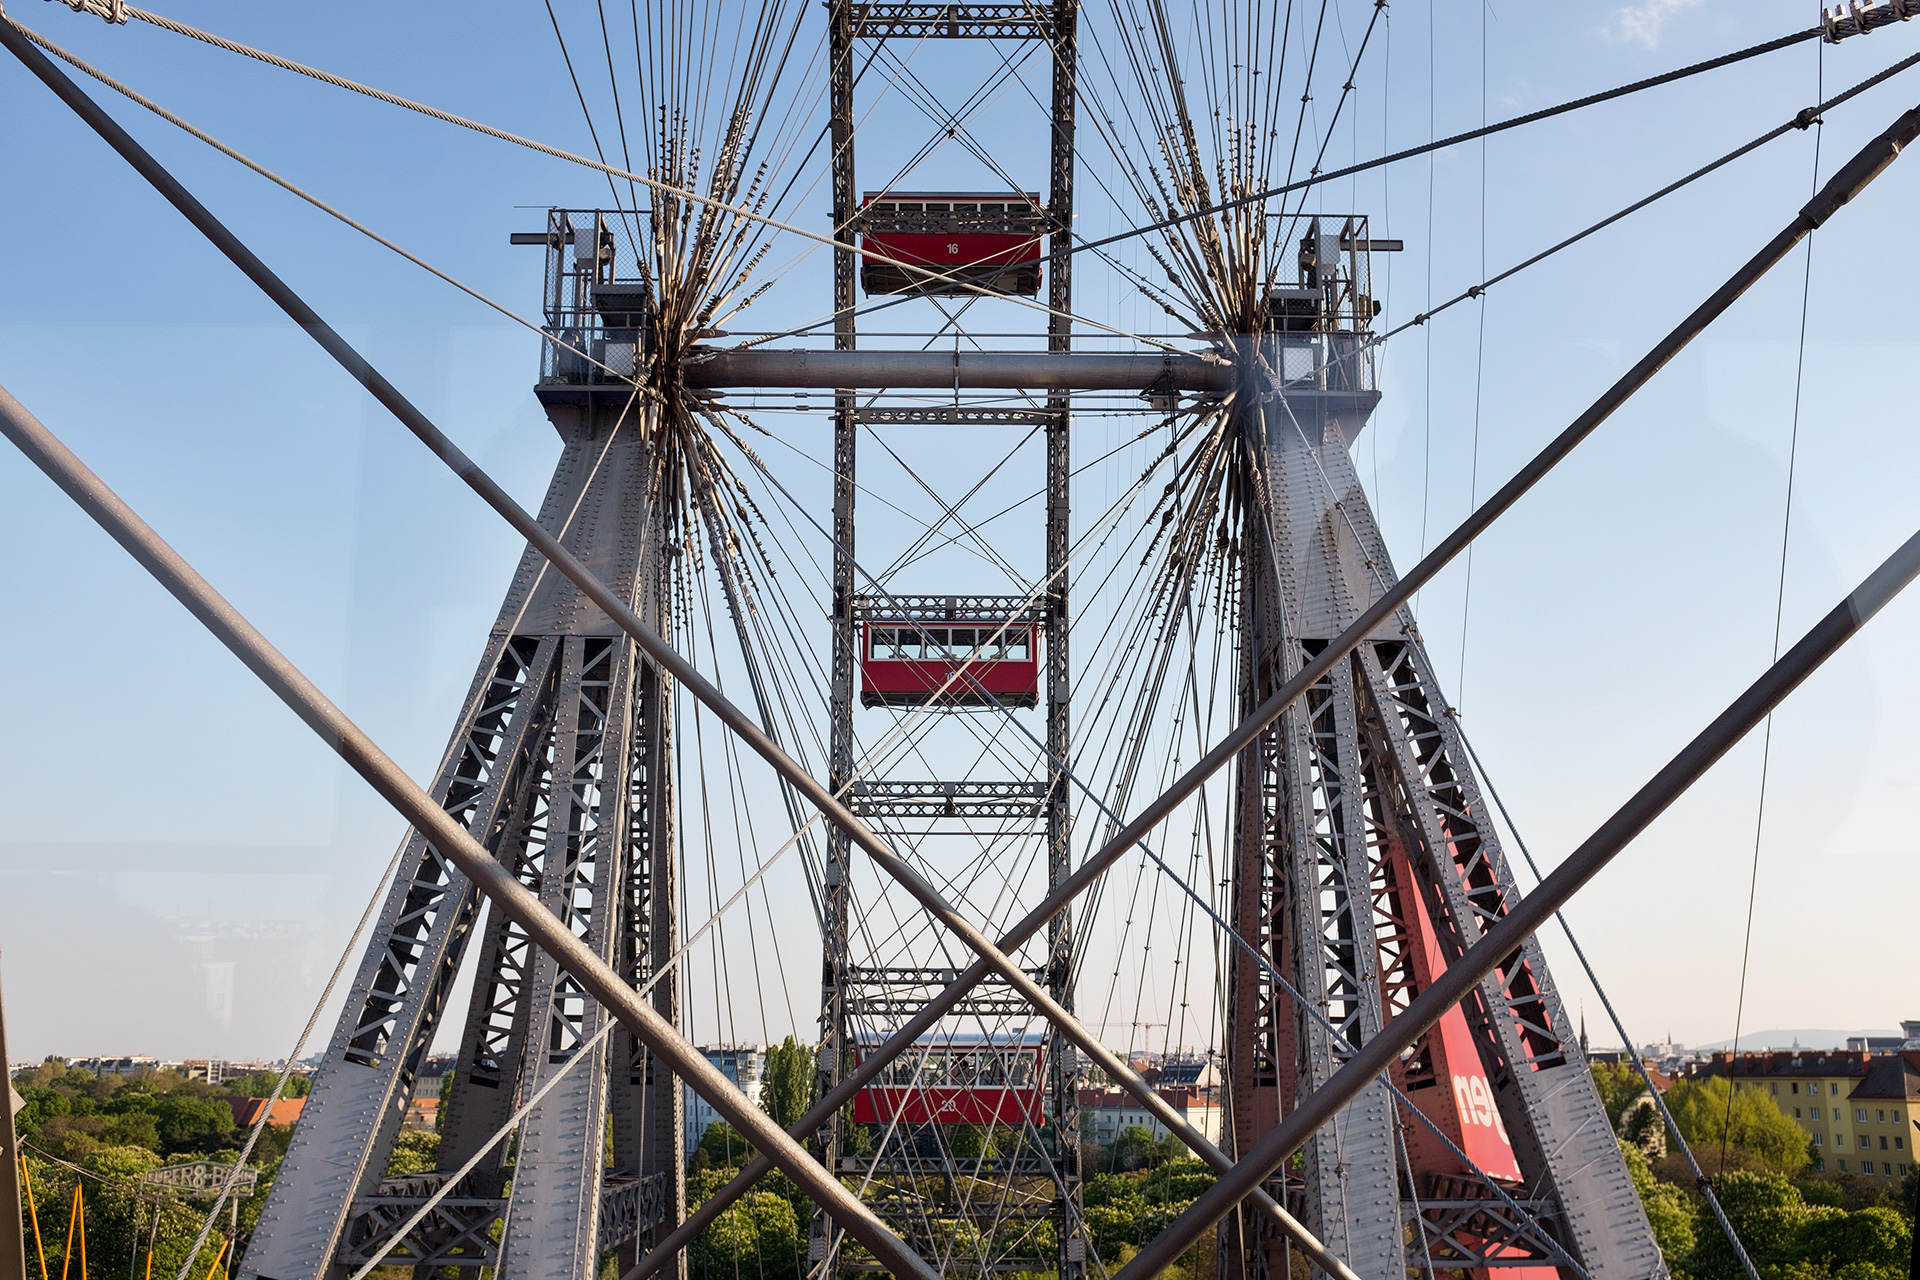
1645, 22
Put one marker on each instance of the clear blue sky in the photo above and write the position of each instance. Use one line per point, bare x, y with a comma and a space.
170, 824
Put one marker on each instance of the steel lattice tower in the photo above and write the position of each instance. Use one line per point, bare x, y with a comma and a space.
560, 766
1364, 861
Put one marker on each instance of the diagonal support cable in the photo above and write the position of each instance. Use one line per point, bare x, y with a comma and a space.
552, 935
1837, 193
1845, 184
1533, 911
649, 640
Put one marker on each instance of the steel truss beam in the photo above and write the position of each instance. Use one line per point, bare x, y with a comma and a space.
973, 800
1025, 21
952, 415
979, 609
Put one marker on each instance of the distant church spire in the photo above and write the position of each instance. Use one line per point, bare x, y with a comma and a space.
1583, 1030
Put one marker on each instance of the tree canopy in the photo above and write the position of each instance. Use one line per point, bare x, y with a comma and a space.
1711, 1112
1789, 1239
787, 1084
1620, 1086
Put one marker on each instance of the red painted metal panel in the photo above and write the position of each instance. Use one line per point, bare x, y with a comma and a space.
946, 1104
952, 249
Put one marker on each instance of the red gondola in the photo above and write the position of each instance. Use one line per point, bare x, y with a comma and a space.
955, 1079
908, 662
977, 240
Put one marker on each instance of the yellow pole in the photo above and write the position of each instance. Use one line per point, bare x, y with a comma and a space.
218, 1259
82, 1215
26, 1181
73, 1221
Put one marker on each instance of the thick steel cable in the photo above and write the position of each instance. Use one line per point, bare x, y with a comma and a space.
445, 833
1470, 135
1847, 183
1803, 119
1506, 936
1700, 1177
135, 96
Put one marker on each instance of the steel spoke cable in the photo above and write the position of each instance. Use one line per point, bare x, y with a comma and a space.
654, 184
1067, 773
594, 134
950, 513
1804, 119
1846, 184
1471, 135
1779, 616
134, 96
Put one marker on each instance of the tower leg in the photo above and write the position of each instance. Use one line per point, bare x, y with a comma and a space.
362, 1087
540, 774
1363, 865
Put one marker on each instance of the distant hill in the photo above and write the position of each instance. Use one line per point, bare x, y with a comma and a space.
1815, 1038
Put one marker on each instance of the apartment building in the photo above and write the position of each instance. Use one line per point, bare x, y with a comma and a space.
1856, 1107
1882, 1119
743, 1064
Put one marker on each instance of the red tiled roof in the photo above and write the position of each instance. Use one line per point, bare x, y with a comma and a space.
246, 1111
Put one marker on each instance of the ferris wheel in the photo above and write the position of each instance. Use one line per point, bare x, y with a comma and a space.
1073, 661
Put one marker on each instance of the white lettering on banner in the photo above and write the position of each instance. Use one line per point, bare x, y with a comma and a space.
1474, 1100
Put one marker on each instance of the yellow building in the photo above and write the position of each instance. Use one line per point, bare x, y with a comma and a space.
1882, 1119
1857, 1109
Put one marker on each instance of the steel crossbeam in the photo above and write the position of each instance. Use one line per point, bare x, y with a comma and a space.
1206, 374
459, 1231
888, 799
1461, 1226
1026, 21
973, 608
